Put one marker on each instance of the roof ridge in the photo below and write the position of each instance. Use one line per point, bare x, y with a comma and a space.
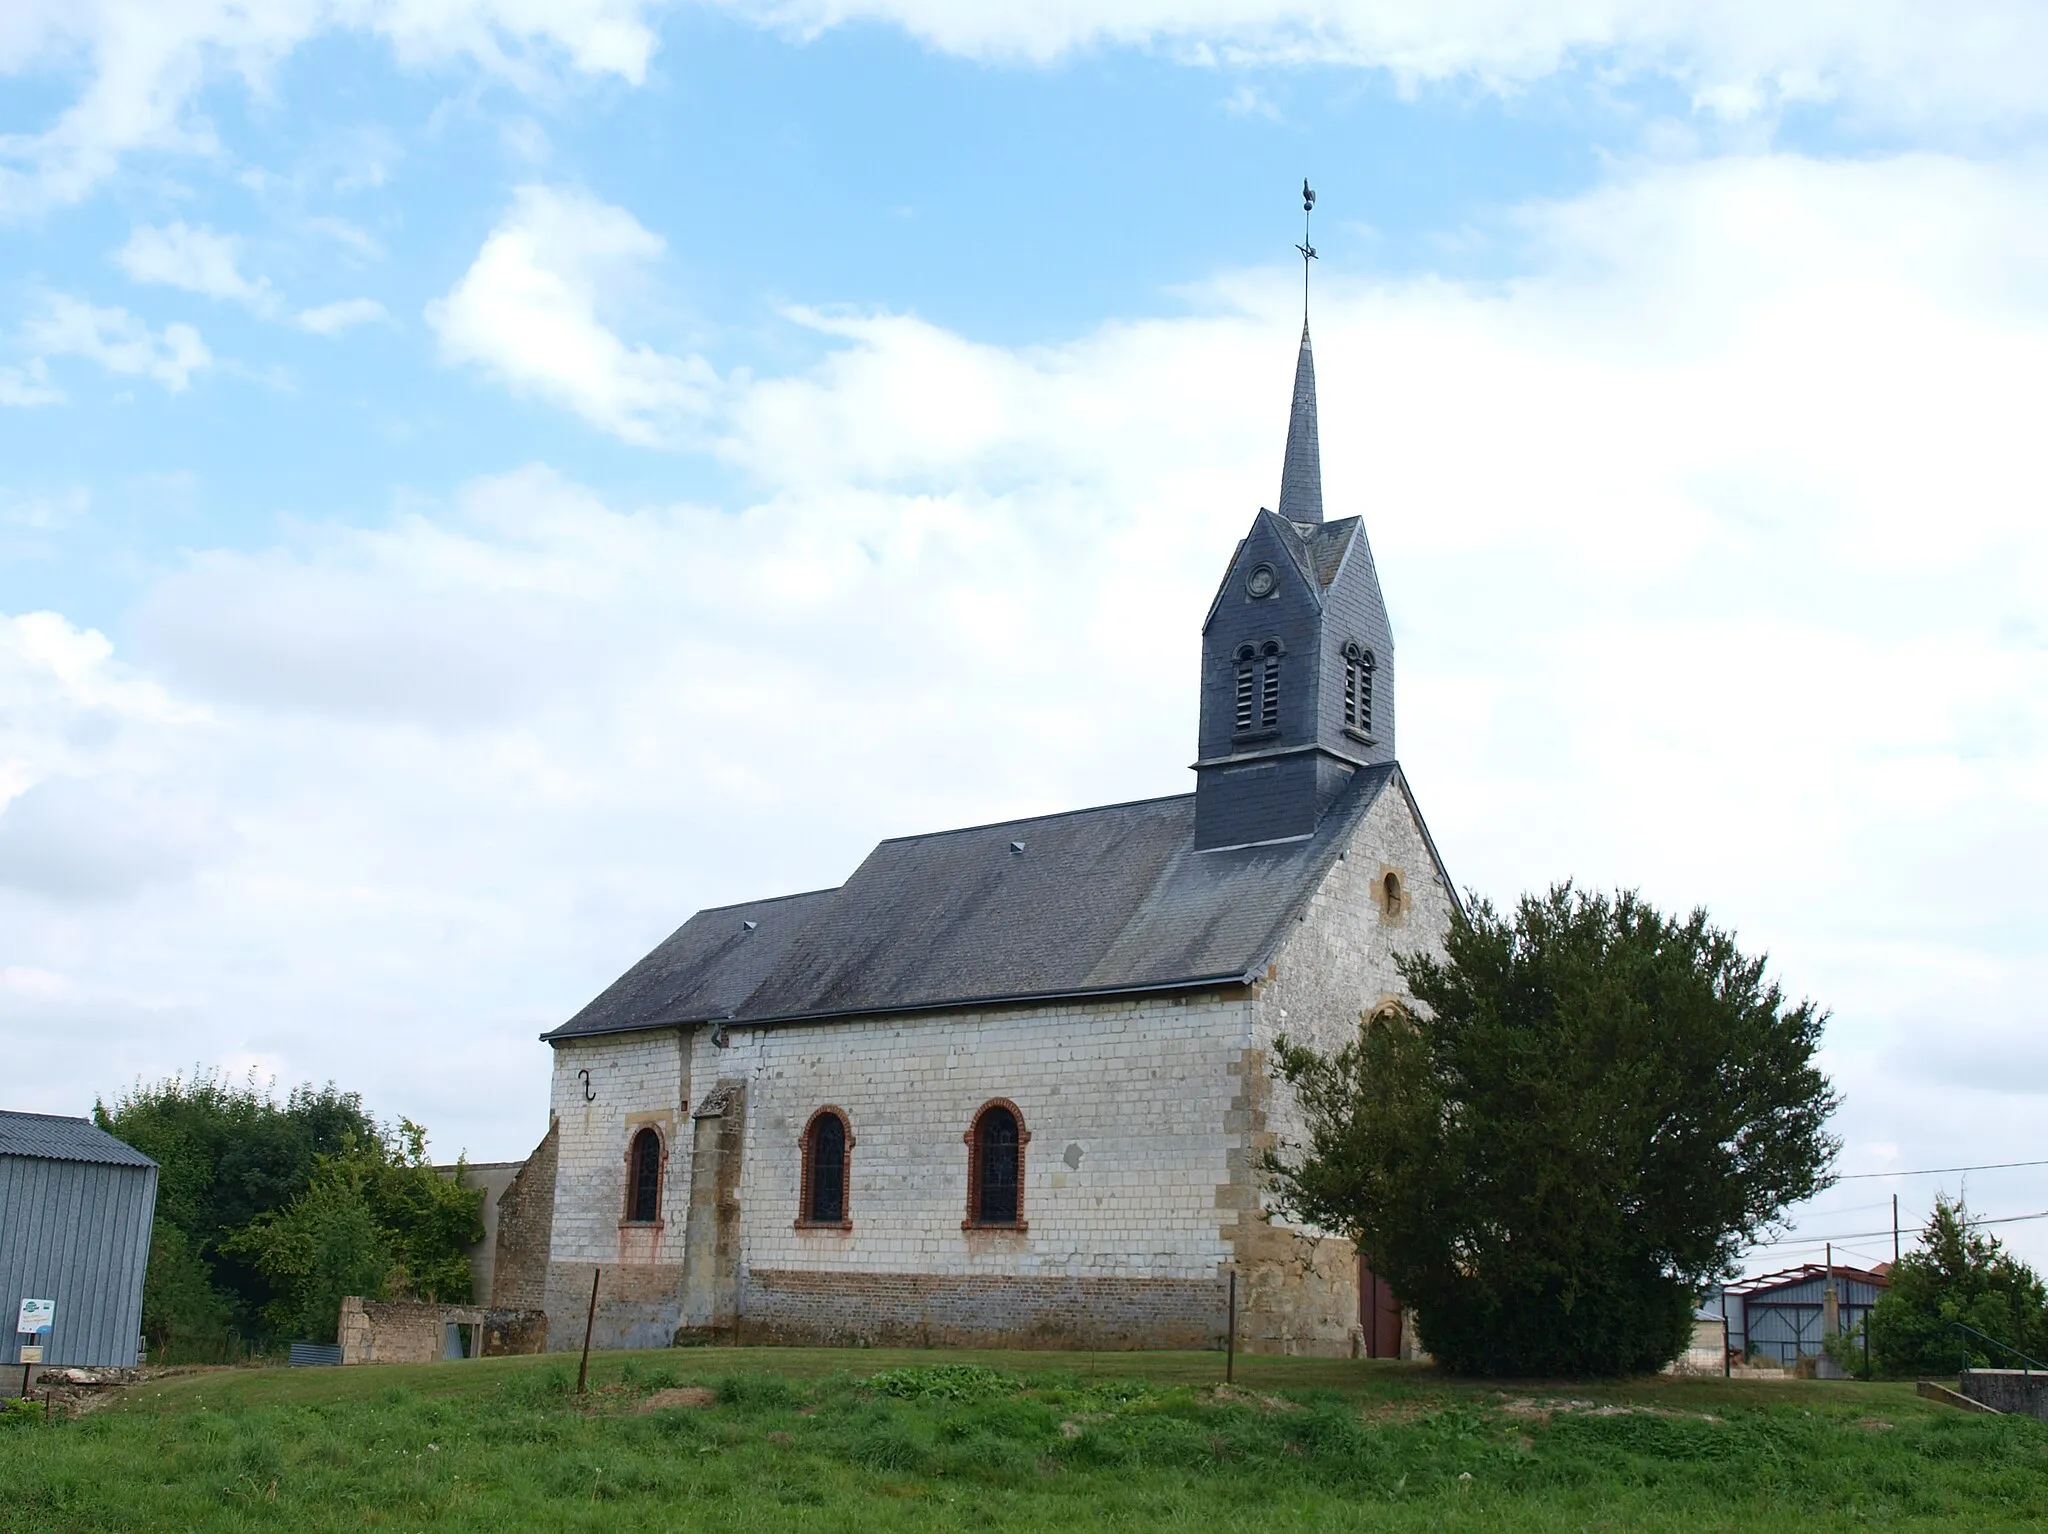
1026, 820
734, 905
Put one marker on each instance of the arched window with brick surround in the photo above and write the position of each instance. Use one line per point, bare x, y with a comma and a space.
828, 1171
995, 1168
643, 1178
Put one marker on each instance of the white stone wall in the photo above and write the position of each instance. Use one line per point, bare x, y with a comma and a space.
1339, 965
1124, 1102
635, 1079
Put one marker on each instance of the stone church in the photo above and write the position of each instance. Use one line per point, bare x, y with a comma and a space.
1010, 1085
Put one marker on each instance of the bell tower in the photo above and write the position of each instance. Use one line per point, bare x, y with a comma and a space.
1297, 656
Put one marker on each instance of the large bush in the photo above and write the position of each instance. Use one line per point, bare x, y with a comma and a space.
1591, 1110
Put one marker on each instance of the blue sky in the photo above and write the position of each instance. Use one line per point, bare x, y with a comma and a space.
413, 418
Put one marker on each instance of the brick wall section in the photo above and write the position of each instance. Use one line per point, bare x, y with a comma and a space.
526, 1220
950, 1310
639, 1305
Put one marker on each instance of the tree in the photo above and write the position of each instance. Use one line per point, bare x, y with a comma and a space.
1954, 1275
326, 1244
268, 1213
1593, 1108
377, 1221
226, 1152
180, 1306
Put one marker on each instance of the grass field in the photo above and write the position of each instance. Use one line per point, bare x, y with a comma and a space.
818, 1439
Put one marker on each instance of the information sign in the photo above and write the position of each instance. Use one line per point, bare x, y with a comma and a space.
36, 1315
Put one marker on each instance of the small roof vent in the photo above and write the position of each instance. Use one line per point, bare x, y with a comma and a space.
749, 926
1016, 847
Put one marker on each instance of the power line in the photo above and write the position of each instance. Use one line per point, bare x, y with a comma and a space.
1940, 1171
1860, 1235
1820, 1214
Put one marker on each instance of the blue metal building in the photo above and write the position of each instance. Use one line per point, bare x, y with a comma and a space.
1783, 1316
75, 1212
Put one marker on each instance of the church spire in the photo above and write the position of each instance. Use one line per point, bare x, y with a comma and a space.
1301, 476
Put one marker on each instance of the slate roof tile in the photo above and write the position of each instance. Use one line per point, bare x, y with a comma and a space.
1100, 900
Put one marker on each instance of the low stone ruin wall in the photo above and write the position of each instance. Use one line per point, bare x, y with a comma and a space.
408, 1332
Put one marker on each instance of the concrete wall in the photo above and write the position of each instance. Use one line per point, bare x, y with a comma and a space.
2008, 1390
1145, 1119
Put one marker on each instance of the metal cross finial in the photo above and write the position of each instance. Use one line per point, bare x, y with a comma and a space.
1308, 251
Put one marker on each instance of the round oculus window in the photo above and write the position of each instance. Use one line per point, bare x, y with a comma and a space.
1260, 582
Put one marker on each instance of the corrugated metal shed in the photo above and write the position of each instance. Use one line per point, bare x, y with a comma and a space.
75, 1212
1783, 1315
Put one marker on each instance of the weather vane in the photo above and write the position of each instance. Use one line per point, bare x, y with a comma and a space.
1308, 251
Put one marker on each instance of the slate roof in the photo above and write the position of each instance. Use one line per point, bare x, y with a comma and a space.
50, 1137
1100, 901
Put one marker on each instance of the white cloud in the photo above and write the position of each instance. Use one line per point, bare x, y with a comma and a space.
147, 60
44, 512
359, 243
75, 840
117, 341
1710, 541
197, 260
1250, 101
29, 385
1970, 63
1973, 61
344, 314
529, 311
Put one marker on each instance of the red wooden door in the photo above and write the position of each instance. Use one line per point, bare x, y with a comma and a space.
1379, 1314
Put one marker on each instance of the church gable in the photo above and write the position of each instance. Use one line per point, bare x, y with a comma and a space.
1386, 894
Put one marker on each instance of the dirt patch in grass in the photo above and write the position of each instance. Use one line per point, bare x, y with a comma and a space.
1229, 1394
1397, 1413
1543, 1408
686, 1396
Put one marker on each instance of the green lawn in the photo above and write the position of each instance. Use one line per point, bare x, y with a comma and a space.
818, 1439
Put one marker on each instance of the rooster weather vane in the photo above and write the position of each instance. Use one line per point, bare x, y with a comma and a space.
1308, 251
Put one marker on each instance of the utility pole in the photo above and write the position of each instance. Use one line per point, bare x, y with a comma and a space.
1830, 1304
1895, 1230
1727, 1363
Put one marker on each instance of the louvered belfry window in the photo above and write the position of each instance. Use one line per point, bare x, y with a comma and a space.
1358, 667
643, 1171
1269, 688
1247, 689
